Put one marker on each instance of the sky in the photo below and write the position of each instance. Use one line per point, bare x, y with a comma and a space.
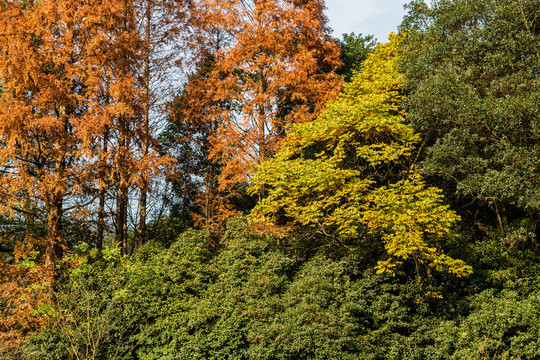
376, 17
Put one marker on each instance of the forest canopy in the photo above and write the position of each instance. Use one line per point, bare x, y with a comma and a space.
224, 179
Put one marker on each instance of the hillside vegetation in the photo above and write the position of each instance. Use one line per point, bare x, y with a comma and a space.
294, 197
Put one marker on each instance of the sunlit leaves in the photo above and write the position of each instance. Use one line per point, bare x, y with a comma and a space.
336, 175
274, 63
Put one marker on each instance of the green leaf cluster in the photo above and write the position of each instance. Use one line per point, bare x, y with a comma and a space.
474, 94
354, 50
251, 299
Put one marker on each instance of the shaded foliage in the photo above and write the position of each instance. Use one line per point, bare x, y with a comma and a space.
474, 91
354, 50
253, 298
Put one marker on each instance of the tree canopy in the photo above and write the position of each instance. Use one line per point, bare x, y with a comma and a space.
474, 89
221, 179
354, 50
346, 170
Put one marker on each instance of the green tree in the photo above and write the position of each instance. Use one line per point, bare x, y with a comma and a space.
354, 50
345, 172
252, 299
89, 318
474, 95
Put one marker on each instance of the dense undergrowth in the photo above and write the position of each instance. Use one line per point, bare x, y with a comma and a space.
256, 299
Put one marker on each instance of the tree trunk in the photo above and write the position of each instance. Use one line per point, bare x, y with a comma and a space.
101, 210
53, 249
262, 124
121, 191
101, 220
146, 130
54, 207
121, 218
209, 210
501, 216
124, 222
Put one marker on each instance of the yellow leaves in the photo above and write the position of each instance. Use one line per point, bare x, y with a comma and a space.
386, 266
434, 295
327, 174
411, 214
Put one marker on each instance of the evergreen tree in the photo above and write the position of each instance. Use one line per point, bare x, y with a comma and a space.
354, 50
474, 95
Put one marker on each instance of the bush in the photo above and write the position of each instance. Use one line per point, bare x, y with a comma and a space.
253, 299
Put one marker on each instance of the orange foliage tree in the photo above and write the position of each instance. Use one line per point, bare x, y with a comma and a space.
66, 75
274, 63
125, 128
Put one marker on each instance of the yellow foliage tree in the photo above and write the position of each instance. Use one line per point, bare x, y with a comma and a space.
346, 171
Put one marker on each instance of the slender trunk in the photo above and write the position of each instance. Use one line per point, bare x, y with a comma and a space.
28, 219
124, 222
501, 216
146, 124
262, 124
262, 138
209, 211
142, 218
124, 141
54, 231
119, 216
53, 249
54, 207
103, 174
121, 192
101, 210
101, 220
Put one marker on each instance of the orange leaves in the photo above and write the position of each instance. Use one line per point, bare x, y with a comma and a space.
24, 291
268, 71
68, 82
262, 65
